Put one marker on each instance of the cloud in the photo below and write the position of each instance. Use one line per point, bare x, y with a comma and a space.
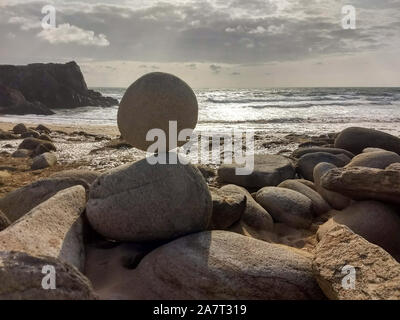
66, 33
235, 73
25, 23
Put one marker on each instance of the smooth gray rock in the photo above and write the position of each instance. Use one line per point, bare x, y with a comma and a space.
336, 200
19, 202
319, 204
53, 229
269, 170
45, 160
356, 139
150, 103
223, 265
378, 159
143, 202
30, 133
228, 208
307, 163
287, 206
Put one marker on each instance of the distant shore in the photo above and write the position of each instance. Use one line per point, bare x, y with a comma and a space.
111, 131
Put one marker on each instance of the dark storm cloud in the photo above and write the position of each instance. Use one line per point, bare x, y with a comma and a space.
199, 31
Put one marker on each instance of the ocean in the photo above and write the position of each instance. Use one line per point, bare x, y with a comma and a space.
277, 110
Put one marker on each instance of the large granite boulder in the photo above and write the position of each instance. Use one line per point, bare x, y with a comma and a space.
223, 265
286, 206
377, 222
341, 255
52, 86
12, 101
362, 183
22, 278
53, 229
269, 170
356, 139
151, 102
19, 202
145, 202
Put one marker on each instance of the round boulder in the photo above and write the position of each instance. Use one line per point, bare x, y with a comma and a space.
319, 204
151, 103
377, 159
144, 202
307, 163
286, 206
356, 139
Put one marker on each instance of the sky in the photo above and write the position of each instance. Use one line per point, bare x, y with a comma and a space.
211, 43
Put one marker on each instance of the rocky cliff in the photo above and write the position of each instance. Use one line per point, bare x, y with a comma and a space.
38, 88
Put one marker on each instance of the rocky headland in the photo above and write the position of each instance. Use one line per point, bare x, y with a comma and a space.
38, 88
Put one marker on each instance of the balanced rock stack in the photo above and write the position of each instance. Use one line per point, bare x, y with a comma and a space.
148, 230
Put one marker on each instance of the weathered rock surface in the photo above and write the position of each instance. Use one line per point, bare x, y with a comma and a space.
227, 266
88, 176
21, 279
53, 228
378, 159
4, 221
45, 160
356, 139
144, 202
307, 163
227, 208
51, 86
377, 222
361, 183
269, 170
377, 274
19, 202
151, 102
336, 200
302, 151
287, 206
319, 204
